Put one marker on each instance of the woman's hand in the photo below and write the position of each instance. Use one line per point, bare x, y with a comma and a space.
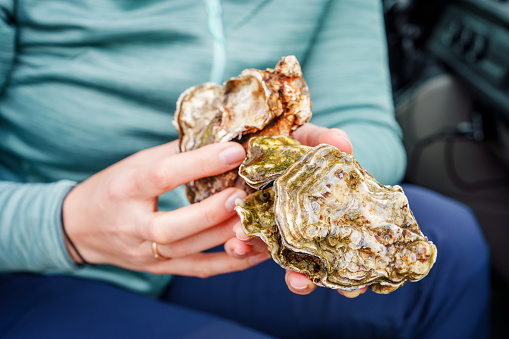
298, 283
112, 217
312, 135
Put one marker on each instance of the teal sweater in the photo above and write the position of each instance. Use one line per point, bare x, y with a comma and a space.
86, 83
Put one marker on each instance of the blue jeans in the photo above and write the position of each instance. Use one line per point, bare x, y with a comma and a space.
451, 302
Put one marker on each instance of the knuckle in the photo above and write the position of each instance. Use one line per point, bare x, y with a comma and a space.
178, 250
209, 215
133, 253
204, 164
204, 273
122, 185
227, 231
203, 269
159, 176
116, 189
158, 234
229, 248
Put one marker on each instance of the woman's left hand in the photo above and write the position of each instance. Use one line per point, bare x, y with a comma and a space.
310, 135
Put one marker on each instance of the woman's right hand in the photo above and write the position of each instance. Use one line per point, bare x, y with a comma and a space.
112, 217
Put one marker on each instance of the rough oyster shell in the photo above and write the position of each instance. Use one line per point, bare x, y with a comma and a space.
258, 220
271, 102
268, 157
331, 220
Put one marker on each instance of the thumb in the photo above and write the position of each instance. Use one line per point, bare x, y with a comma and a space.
162, 175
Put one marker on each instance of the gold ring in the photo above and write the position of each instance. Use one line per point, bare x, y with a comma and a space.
156, 253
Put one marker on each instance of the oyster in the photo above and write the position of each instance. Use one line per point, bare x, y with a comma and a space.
271, 102
317, 209
268, 157
327, 217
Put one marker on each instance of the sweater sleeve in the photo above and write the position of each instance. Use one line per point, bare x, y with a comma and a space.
31, 227
348, 77
7, 40
30, 214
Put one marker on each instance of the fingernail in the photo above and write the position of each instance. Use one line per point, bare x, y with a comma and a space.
245, 238
240, 253
239, 232
351, 294
299, 288
233, 155
341, 133
257, 258
230, 202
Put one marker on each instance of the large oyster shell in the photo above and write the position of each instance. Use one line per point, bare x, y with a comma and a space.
271, 102
326, 217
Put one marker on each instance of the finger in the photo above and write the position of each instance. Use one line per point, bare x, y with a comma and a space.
205, 265
312, 135
354, 293
240, 234
162, 175
338, 138
236, 248
298, 283
168, 227
201, 241
156, 152
256, 243
308, 134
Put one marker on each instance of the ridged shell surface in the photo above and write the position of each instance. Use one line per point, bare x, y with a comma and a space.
332, 221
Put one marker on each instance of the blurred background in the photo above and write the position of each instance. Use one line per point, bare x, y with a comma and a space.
449, 63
